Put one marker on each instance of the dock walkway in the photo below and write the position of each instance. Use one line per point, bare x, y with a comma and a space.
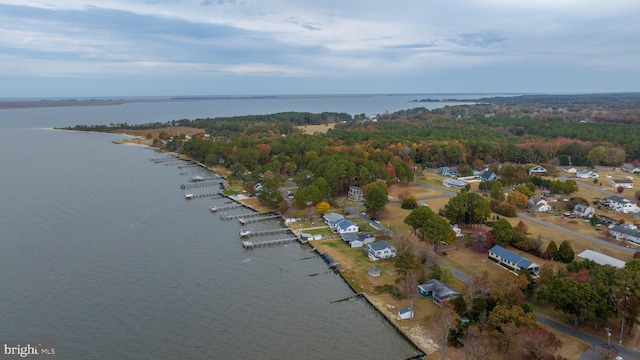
251, 244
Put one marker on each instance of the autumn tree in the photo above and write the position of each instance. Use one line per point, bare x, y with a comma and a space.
322, 208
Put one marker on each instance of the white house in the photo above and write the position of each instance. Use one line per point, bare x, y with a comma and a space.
512, 260
586, 174
537, 170
346, 226
583, 211
380, 250
458, 184
625, 183
622, 205
538, 205
571, 170
625, 233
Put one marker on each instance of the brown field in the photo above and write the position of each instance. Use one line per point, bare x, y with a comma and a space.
312, 129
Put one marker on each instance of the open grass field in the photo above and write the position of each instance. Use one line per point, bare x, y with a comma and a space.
313, 129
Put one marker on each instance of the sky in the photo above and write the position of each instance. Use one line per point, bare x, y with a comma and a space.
80, 48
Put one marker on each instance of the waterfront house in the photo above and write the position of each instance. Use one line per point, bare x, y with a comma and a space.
356, 240
332, 217
356, 193
458, 184
380, 250
625, 183
625, 233
583, 211
537, 170
438, 291
346, 226
601, 259
622, 205
448, 171
538, 205
512, 260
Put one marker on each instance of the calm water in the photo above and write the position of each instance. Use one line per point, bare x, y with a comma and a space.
101, 252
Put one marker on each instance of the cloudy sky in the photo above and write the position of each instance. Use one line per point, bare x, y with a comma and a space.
250, 47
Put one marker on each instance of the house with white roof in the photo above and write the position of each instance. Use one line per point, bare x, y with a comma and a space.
538, 205
537, 170
380, 250
332, 217
586, 174
512, 260
601, 259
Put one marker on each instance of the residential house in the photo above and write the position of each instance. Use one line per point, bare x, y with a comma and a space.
625, 233
438, 291
571, 170
488, 176
631, 169
458, 184
622, 205
586, 174
537, 170
380, 250
583, 211
538, 205
601, 259
346, 226
625, 183
356, 193
356, 240
448, 171
512, 260
332, 217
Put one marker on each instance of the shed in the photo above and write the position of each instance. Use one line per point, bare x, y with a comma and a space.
405, 313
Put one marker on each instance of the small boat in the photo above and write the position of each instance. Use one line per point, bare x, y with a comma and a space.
244, 233
213, 209
188, 196
197, 178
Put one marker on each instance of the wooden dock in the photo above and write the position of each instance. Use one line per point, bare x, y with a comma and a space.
224, 216
244, 221
195, 196
251, 244
267, 232
198, 184
225, 207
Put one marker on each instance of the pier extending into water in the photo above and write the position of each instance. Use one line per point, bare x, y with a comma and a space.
267, 232
225, 207
195, 196
250, 244
244, 221
198, 184
224, 216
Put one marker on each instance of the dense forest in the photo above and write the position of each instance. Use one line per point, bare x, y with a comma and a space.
577, 130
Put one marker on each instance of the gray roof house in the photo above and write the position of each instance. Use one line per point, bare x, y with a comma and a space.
358, 239
601, 259
380, 250
488, 176
512, 260
438, 291
346, 226
625, 233
448, 171
332, 217
538, 205
458, 184
583, 211
356, 193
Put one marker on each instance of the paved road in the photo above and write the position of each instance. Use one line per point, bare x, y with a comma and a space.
575, 233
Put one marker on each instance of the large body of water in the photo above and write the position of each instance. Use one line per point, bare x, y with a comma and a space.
100, 251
